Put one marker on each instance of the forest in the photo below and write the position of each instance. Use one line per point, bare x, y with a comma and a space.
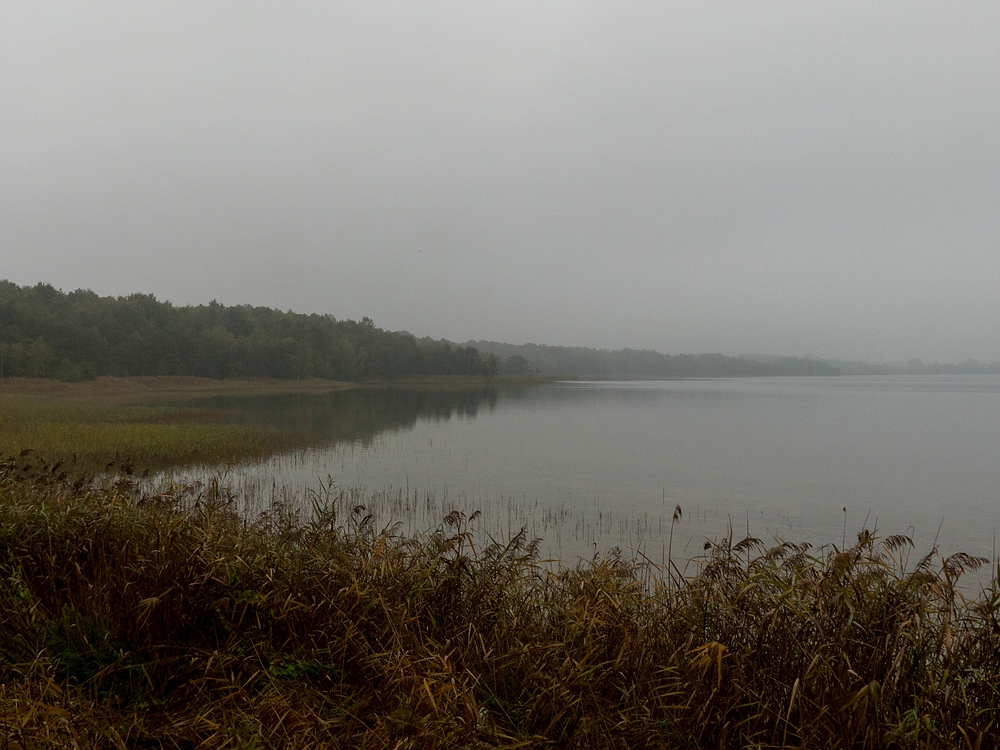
48, 333
79, 335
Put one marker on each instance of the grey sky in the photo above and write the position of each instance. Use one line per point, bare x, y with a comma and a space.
780, 177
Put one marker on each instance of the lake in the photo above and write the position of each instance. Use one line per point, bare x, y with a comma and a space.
587, 466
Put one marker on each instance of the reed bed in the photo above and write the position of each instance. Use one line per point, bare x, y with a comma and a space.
169, 619
88, 433
145, 389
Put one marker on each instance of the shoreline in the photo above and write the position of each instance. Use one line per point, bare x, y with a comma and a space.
112, 389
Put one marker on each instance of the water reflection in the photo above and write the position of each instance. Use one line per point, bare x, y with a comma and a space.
359, 416
593, 465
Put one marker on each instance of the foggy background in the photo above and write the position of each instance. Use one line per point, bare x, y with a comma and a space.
786, 177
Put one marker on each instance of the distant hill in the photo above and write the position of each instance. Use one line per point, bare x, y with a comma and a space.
639, 363
911, 367
916, 367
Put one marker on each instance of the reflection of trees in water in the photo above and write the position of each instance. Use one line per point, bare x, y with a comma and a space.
360, 414
364, 413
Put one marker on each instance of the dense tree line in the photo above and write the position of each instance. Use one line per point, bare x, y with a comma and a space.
640, 363
45, 332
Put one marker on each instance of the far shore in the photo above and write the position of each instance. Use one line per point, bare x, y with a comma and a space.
112, 390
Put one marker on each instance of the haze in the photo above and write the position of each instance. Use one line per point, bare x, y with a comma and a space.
784, 177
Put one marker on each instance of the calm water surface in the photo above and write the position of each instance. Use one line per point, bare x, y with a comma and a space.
591, 465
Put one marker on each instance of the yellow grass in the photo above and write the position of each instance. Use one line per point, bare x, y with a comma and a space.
159, 389
147, 422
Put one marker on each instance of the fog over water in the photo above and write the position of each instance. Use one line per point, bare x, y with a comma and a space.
784, 177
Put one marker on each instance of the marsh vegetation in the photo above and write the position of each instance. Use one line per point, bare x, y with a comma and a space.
171, 620
147, 422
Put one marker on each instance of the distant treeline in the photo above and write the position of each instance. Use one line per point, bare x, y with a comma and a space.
917, 367
47, 333
640, 363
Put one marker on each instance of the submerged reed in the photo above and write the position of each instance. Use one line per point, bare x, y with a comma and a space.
169, 620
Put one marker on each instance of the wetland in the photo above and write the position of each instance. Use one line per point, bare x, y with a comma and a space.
370, 578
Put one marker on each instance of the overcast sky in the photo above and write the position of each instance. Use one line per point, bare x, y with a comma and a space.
792, 177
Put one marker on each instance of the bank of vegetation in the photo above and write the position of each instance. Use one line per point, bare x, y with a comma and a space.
146, 440
149, 423
168, 620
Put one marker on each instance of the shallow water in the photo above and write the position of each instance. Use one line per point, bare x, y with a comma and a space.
591, 465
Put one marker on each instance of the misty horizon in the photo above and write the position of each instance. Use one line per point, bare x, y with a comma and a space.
789, 179
914, 365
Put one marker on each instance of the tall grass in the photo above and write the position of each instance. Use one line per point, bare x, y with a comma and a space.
89, 432
169, 620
